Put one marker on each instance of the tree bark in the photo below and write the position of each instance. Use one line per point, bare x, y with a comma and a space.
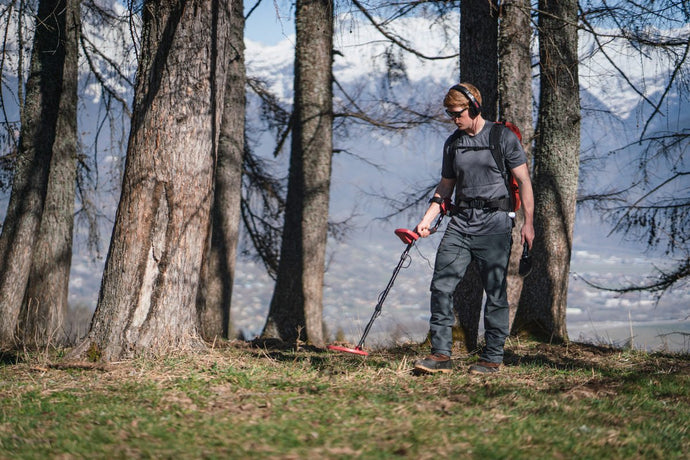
541, 312
46, 301
219, 271
478, 42
515, 105
38, 124
297, 299
147, 302
479, 51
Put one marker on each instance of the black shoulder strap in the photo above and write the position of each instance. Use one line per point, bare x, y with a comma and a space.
452, 142
454, 138
495, 146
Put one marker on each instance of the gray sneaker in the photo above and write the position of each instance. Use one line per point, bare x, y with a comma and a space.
482, 367
434, 363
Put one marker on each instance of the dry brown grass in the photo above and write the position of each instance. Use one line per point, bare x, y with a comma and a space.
574, 401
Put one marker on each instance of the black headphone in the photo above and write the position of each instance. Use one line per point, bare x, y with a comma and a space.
474, 106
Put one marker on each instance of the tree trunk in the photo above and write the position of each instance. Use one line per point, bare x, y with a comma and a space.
479, 51
216, 293
38, 124
46, 301
147, 302
297, 299
478, 42
515, 105
556, 163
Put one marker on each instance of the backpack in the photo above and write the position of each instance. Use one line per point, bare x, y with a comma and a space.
513, 202
494, 141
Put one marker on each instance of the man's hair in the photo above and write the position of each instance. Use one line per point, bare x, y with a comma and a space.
455, 98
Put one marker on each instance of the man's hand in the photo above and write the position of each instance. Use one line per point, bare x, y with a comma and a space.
423, 229
521, 174
527, 234
444, 189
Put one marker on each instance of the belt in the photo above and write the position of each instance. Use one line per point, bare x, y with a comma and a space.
501, 203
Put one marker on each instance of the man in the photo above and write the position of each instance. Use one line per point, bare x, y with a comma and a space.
480, 228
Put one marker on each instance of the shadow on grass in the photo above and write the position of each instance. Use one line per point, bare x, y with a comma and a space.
614, 366
10, 357
320, 359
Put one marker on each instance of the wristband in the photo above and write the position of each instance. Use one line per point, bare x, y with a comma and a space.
436, 199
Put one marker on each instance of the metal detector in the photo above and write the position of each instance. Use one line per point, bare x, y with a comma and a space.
408, 237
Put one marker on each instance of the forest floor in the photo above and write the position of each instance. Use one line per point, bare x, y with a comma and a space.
250, 400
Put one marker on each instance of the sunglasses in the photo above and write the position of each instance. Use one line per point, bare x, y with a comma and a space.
455, 114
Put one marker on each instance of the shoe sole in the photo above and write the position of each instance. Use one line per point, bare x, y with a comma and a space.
481, 372
429, 370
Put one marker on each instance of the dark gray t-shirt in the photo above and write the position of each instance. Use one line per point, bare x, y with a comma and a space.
468, 159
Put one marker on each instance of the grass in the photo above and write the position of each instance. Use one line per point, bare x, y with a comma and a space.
242, 401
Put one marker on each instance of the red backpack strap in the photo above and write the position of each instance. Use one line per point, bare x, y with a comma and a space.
514, 129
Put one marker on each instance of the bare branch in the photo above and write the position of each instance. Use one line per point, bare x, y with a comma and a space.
636, 204
399, 41
664, 281
620, 71
12, 138
670, 83
101, 79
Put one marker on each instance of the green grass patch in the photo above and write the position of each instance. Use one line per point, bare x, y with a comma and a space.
575, 401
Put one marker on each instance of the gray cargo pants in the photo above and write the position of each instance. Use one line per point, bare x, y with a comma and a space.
456, 251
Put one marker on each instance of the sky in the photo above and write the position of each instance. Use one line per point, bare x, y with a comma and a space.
270, 22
